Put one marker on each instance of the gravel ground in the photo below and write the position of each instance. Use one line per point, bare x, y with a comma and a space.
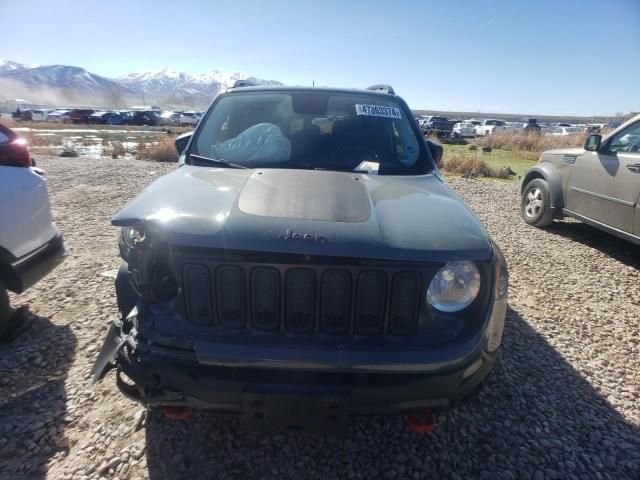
563, 401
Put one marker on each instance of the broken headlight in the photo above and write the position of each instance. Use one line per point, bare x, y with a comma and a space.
148, 264
132, 237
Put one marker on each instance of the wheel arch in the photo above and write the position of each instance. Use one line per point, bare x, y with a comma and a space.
550, 174
8, 277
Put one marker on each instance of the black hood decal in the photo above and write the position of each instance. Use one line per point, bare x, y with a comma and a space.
306, 195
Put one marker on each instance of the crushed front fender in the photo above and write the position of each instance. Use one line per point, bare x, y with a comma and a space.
115, 340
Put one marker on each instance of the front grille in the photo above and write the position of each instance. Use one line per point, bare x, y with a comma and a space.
372, 289
405, 298
336, 301
265, 299
230, 296
301, 290
196, 281
328, 300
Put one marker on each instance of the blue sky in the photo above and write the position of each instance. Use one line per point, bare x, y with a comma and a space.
577, 57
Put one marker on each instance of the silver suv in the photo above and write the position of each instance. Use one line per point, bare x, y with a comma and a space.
598, 184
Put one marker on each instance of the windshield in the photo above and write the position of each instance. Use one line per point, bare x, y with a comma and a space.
312, 130
497, 123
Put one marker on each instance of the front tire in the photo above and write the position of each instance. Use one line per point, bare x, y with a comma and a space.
5, 311
535, 205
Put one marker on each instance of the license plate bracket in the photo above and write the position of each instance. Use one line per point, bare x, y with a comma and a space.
276, 412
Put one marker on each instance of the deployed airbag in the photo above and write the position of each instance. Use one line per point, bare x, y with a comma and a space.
263, 142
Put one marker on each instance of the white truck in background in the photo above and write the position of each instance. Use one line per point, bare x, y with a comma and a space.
489, 127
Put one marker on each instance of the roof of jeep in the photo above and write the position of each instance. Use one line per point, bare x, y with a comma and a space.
284, 88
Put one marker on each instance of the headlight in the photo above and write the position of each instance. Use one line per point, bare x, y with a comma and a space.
454, 287
132, 237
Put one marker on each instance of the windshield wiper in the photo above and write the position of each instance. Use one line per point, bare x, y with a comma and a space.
217, 161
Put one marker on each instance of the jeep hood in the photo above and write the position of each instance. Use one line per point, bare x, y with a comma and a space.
415, 218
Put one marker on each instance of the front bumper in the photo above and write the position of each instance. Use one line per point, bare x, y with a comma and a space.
161, 376
31, 268
163, 381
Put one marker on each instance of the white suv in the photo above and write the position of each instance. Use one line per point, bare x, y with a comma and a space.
463, 129
190, 118
30, 243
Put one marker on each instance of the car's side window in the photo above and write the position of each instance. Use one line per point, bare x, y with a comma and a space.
627, 141
3, 139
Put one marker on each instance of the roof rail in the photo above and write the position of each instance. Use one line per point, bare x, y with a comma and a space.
382, 88
244, 83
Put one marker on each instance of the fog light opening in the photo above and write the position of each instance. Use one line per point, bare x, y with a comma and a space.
422, 422
176, 413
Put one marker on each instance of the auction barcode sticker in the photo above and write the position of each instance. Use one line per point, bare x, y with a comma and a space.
378, 111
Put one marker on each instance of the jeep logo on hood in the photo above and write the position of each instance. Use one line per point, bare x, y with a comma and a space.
306, 236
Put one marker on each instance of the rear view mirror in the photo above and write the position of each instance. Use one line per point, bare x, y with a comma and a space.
182, 141
592, 143
436, 150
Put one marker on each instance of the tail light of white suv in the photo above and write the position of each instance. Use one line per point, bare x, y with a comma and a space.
14, 150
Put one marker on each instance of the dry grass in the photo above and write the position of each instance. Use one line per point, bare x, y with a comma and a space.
163, 150
7, 122
473, 166
531, 142
48, 151
115, 150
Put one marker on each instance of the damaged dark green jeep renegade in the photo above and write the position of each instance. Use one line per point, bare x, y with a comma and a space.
304, 263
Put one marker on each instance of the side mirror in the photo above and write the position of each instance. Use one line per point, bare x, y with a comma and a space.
436, 150
182, 141
592, 143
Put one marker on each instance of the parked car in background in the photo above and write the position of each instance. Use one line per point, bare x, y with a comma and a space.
80, 115
189, 118
464, 130
512, 126
563, 131
598, 184
489, 127
144, 117
30, 244
115, 118
59, 116
107, 118
332, 273
40, 114
169, 118
441, 126
22, 115
596, 127
127, 116
422, 120
98, 117
532, 126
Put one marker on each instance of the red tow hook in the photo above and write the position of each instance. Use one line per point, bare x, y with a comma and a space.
422, 422
176, 413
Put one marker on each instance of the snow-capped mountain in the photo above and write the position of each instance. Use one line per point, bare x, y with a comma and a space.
63, 84
7, 66
169, 82
58, 76
58, 85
